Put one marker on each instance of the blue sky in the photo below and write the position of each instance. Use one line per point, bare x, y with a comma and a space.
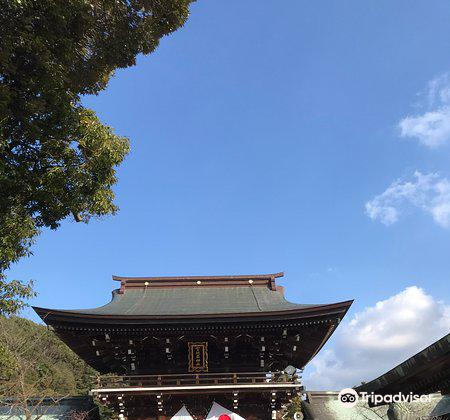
261, 132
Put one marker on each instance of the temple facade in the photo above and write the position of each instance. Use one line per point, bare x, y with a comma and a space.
165, 342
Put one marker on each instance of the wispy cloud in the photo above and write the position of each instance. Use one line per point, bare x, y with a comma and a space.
429, 193
432, 126
378, 338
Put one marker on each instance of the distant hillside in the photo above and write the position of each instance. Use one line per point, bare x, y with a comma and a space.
34, 359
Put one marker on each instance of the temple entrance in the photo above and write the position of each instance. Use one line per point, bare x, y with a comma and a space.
232, 343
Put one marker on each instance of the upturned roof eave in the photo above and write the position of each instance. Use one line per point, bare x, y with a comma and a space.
339, 308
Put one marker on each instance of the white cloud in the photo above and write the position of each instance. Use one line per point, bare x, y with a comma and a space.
379, 338
432, 127
430, 193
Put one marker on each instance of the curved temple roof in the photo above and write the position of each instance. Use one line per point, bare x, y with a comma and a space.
161, 307
190, 297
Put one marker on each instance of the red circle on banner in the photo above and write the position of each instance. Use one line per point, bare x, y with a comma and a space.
224, 417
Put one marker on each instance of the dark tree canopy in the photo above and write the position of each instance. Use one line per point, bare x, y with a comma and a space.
56, 158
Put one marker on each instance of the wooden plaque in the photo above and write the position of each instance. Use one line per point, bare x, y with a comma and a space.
198, 356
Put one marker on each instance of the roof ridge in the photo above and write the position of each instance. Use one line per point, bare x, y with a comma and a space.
260, 280
215, 277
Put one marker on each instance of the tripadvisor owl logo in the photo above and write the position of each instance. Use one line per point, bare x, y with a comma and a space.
348, 397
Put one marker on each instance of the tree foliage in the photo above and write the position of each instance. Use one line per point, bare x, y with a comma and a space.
35, 362
294, 406
13, 295
56, 158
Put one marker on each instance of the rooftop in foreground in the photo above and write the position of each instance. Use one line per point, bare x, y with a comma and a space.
426, 372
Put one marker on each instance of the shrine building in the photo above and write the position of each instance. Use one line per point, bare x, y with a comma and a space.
167, 342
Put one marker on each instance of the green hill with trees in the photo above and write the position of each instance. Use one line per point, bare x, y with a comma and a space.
35, 362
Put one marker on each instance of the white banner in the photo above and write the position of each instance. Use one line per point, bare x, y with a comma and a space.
218, 412
182, 414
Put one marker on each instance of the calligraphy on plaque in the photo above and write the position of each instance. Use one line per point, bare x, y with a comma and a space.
198, 356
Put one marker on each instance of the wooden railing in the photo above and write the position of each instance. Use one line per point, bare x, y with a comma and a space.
194, 379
